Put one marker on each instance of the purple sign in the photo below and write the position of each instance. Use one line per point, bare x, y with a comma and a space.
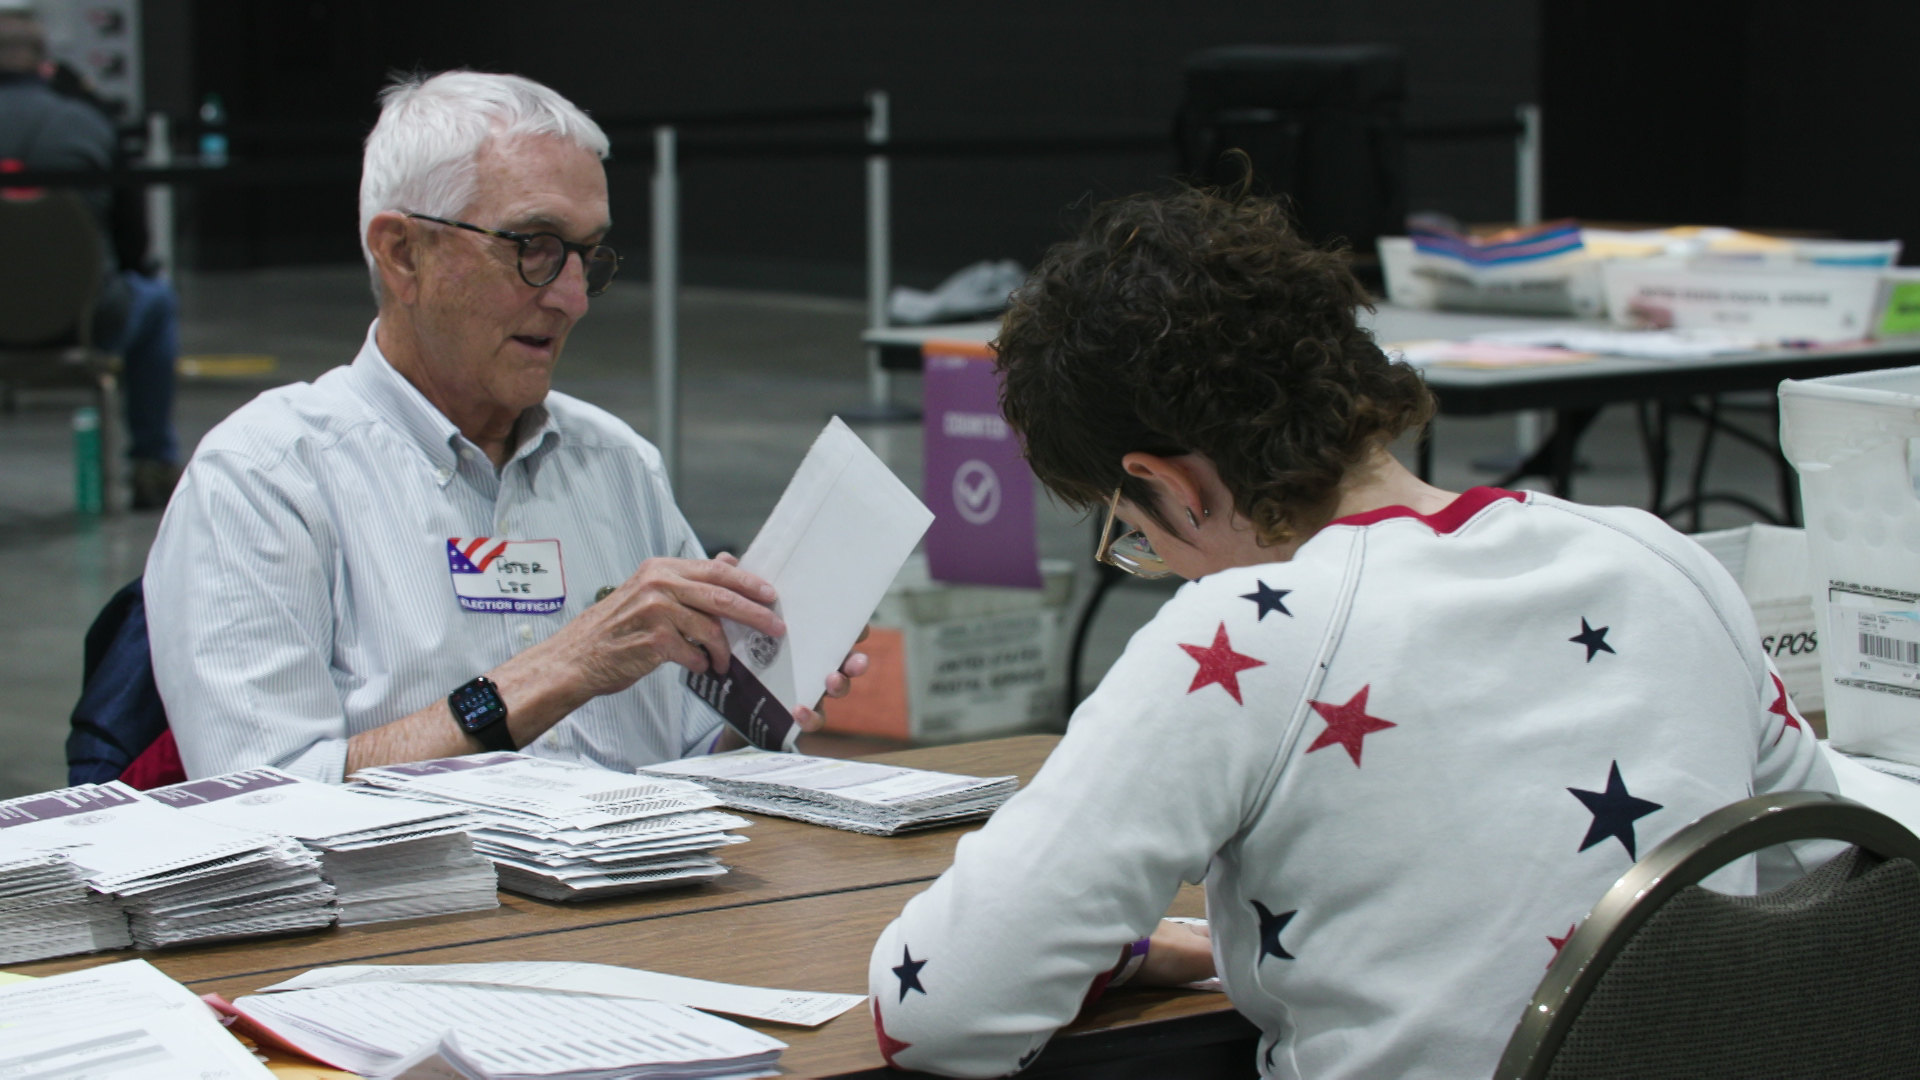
976, 482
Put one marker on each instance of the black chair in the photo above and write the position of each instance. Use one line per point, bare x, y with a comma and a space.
1815, 979
47, 296
1320, 124
120, 719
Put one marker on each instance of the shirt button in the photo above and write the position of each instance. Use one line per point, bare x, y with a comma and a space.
526, 632
443, 473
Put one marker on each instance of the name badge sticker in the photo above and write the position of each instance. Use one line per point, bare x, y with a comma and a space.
509, 577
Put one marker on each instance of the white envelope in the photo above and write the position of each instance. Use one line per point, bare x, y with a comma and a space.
831, 548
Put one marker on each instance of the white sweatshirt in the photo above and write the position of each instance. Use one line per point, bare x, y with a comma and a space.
1406, 763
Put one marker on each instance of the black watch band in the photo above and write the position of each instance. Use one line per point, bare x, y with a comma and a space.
478, 710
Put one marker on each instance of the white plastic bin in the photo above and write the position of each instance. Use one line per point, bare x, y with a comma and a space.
1855, 440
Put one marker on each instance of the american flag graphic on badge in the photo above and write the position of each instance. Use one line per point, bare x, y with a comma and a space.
512, 577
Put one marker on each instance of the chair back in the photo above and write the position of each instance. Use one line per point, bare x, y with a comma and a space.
1320, 124
53, 268
119, 717
1667, 979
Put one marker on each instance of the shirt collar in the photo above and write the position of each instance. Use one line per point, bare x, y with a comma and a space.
402, 405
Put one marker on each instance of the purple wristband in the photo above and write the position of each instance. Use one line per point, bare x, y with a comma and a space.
1131, 962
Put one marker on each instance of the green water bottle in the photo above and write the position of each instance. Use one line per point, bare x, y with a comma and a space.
89, 493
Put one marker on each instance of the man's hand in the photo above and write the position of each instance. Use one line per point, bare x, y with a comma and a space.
669, 611
838, 685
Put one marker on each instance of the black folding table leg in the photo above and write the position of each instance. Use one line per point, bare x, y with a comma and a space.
1423, 453
1568, 426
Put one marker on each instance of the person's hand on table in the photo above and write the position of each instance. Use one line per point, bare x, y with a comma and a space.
1178, 953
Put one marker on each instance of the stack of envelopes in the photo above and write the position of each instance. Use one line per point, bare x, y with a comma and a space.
178, 878
386, 858
560, 830
861, 796
47, 910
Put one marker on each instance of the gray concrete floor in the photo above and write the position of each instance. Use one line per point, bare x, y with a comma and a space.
761, 374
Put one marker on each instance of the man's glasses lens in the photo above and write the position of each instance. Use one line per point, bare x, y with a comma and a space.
602, 265
544, 256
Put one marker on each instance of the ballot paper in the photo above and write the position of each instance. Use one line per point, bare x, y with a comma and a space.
46, 910
560, 830
582, 796
508, 1033
387, 858
860, 796
799, 1007
831, 547
121, 1021
178, 878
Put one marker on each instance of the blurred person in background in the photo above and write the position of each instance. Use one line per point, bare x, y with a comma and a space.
137, 314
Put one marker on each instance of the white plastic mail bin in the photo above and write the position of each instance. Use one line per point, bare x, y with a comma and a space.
1855, 440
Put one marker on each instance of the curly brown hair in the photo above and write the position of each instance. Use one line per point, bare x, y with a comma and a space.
1201, 321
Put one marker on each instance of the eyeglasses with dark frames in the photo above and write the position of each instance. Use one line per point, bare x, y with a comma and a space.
1130, 551
543, 255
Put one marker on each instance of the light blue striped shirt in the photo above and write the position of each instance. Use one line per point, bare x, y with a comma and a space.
299, 593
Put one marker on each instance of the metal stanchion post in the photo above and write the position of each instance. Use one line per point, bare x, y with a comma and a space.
1526, 160
880, 406
666, 302
1531, 427
160, 196
879, 246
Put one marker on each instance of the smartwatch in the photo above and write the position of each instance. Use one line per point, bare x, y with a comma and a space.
478, 710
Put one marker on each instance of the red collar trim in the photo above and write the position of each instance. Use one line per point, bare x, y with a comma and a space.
1443, 521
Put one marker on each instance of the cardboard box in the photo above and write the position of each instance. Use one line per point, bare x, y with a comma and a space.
1770, 563
1769, 305
955, 662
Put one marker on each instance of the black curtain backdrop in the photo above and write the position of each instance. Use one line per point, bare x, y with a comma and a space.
305, 75
1763, 113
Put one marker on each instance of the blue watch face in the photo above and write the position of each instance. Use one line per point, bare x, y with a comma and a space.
477, 705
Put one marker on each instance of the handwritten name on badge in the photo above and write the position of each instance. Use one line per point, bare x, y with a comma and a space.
518, 577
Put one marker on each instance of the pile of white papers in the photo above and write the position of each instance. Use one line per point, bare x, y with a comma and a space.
179, 879
856, 795
804, 1008
116, 1022
560, 830
506, 1033
47, 910
386, 858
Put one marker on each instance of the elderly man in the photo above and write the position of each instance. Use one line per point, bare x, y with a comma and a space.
309, 594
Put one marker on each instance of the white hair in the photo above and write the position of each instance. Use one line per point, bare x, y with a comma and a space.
420, 155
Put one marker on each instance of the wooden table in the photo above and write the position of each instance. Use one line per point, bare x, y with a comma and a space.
800, 910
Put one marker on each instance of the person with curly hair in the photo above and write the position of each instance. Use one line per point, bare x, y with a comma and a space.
1405, 736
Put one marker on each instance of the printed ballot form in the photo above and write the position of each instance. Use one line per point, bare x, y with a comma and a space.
802, 1008
122, 1021
831, 549
481, 1032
